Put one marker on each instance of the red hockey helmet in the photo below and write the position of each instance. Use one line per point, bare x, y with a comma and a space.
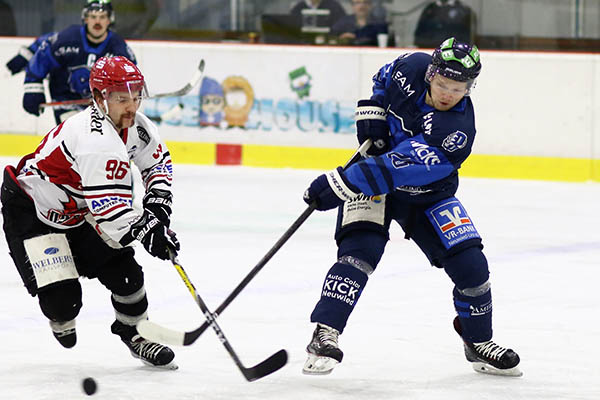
117, 74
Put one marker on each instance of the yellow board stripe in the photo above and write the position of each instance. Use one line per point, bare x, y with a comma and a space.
478, 165
18, 145
535, 168
293, 157
192, 152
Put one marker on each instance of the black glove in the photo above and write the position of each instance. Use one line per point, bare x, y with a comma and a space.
371, 123
33, 97
155, 236
17, 64
330, 190
159, 202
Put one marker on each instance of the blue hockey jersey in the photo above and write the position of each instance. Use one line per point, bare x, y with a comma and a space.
428, 146
68, 57
37, 43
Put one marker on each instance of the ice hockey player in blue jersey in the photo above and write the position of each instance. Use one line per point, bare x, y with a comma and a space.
421, 123
67, 57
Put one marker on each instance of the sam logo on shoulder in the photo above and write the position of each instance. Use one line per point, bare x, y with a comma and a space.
451, 222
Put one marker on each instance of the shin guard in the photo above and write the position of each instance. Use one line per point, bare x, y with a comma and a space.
342, 288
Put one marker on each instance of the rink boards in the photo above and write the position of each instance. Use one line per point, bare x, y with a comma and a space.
293, 106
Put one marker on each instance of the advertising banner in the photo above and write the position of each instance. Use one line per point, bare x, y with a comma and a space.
277, 97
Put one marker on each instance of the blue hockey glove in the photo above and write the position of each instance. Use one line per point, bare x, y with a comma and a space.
159, 202
330, 190
33, 97
371, 123
17, 64
154, 235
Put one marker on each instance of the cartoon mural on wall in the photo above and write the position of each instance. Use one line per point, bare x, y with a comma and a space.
300, 82
233, 103
212, 103
239, 97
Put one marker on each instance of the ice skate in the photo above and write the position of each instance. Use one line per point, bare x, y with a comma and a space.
323, 351
489, 358
150, 353
64, 332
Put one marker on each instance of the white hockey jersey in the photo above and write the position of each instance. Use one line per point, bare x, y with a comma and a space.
83, 166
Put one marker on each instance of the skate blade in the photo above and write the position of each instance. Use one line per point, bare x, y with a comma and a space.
316, 365
169, 367
488, 369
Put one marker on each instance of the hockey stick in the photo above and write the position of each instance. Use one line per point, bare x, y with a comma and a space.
196, 78
266, 367
157, 333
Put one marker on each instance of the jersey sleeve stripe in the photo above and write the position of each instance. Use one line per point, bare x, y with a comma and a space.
96, 196
385, 172
114, 217
66, 151
158, 183
168, 176
166, 156
155, 180
70, 192
38, 171
110, 210
371, 181
106, 187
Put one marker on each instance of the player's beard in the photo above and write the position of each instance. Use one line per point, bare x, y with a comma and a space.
126, 120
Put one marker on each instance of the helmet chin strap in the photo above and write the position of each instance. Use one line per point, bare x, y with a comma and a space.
104, 111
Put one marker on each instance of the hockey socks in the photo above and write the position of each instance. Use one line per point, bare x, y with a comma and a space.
341, 290
474, 313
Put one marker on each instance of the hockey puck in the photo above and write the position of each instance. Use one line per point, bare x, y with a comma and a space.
89, 386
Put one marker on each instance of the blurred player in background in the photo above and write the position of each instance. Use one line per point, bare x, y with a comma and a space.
67, 56
20, 61
68, 212
421, 122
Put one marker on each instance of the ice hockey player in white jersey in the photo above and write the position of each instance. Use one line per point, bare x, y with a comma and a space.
68, 212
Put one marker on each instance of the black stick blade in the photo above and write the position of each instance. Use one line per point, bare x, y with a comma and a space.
268, 366
190, 337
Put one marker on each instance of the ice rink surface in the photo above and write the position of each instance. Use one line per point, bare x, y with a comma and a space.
542, 244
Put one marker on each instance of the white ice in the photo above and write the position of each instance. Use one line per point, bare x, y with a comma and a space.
541, 240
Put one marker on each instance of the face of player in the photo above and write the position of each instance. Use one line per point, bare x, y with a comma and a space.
97, 23
445, 93
122, 107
